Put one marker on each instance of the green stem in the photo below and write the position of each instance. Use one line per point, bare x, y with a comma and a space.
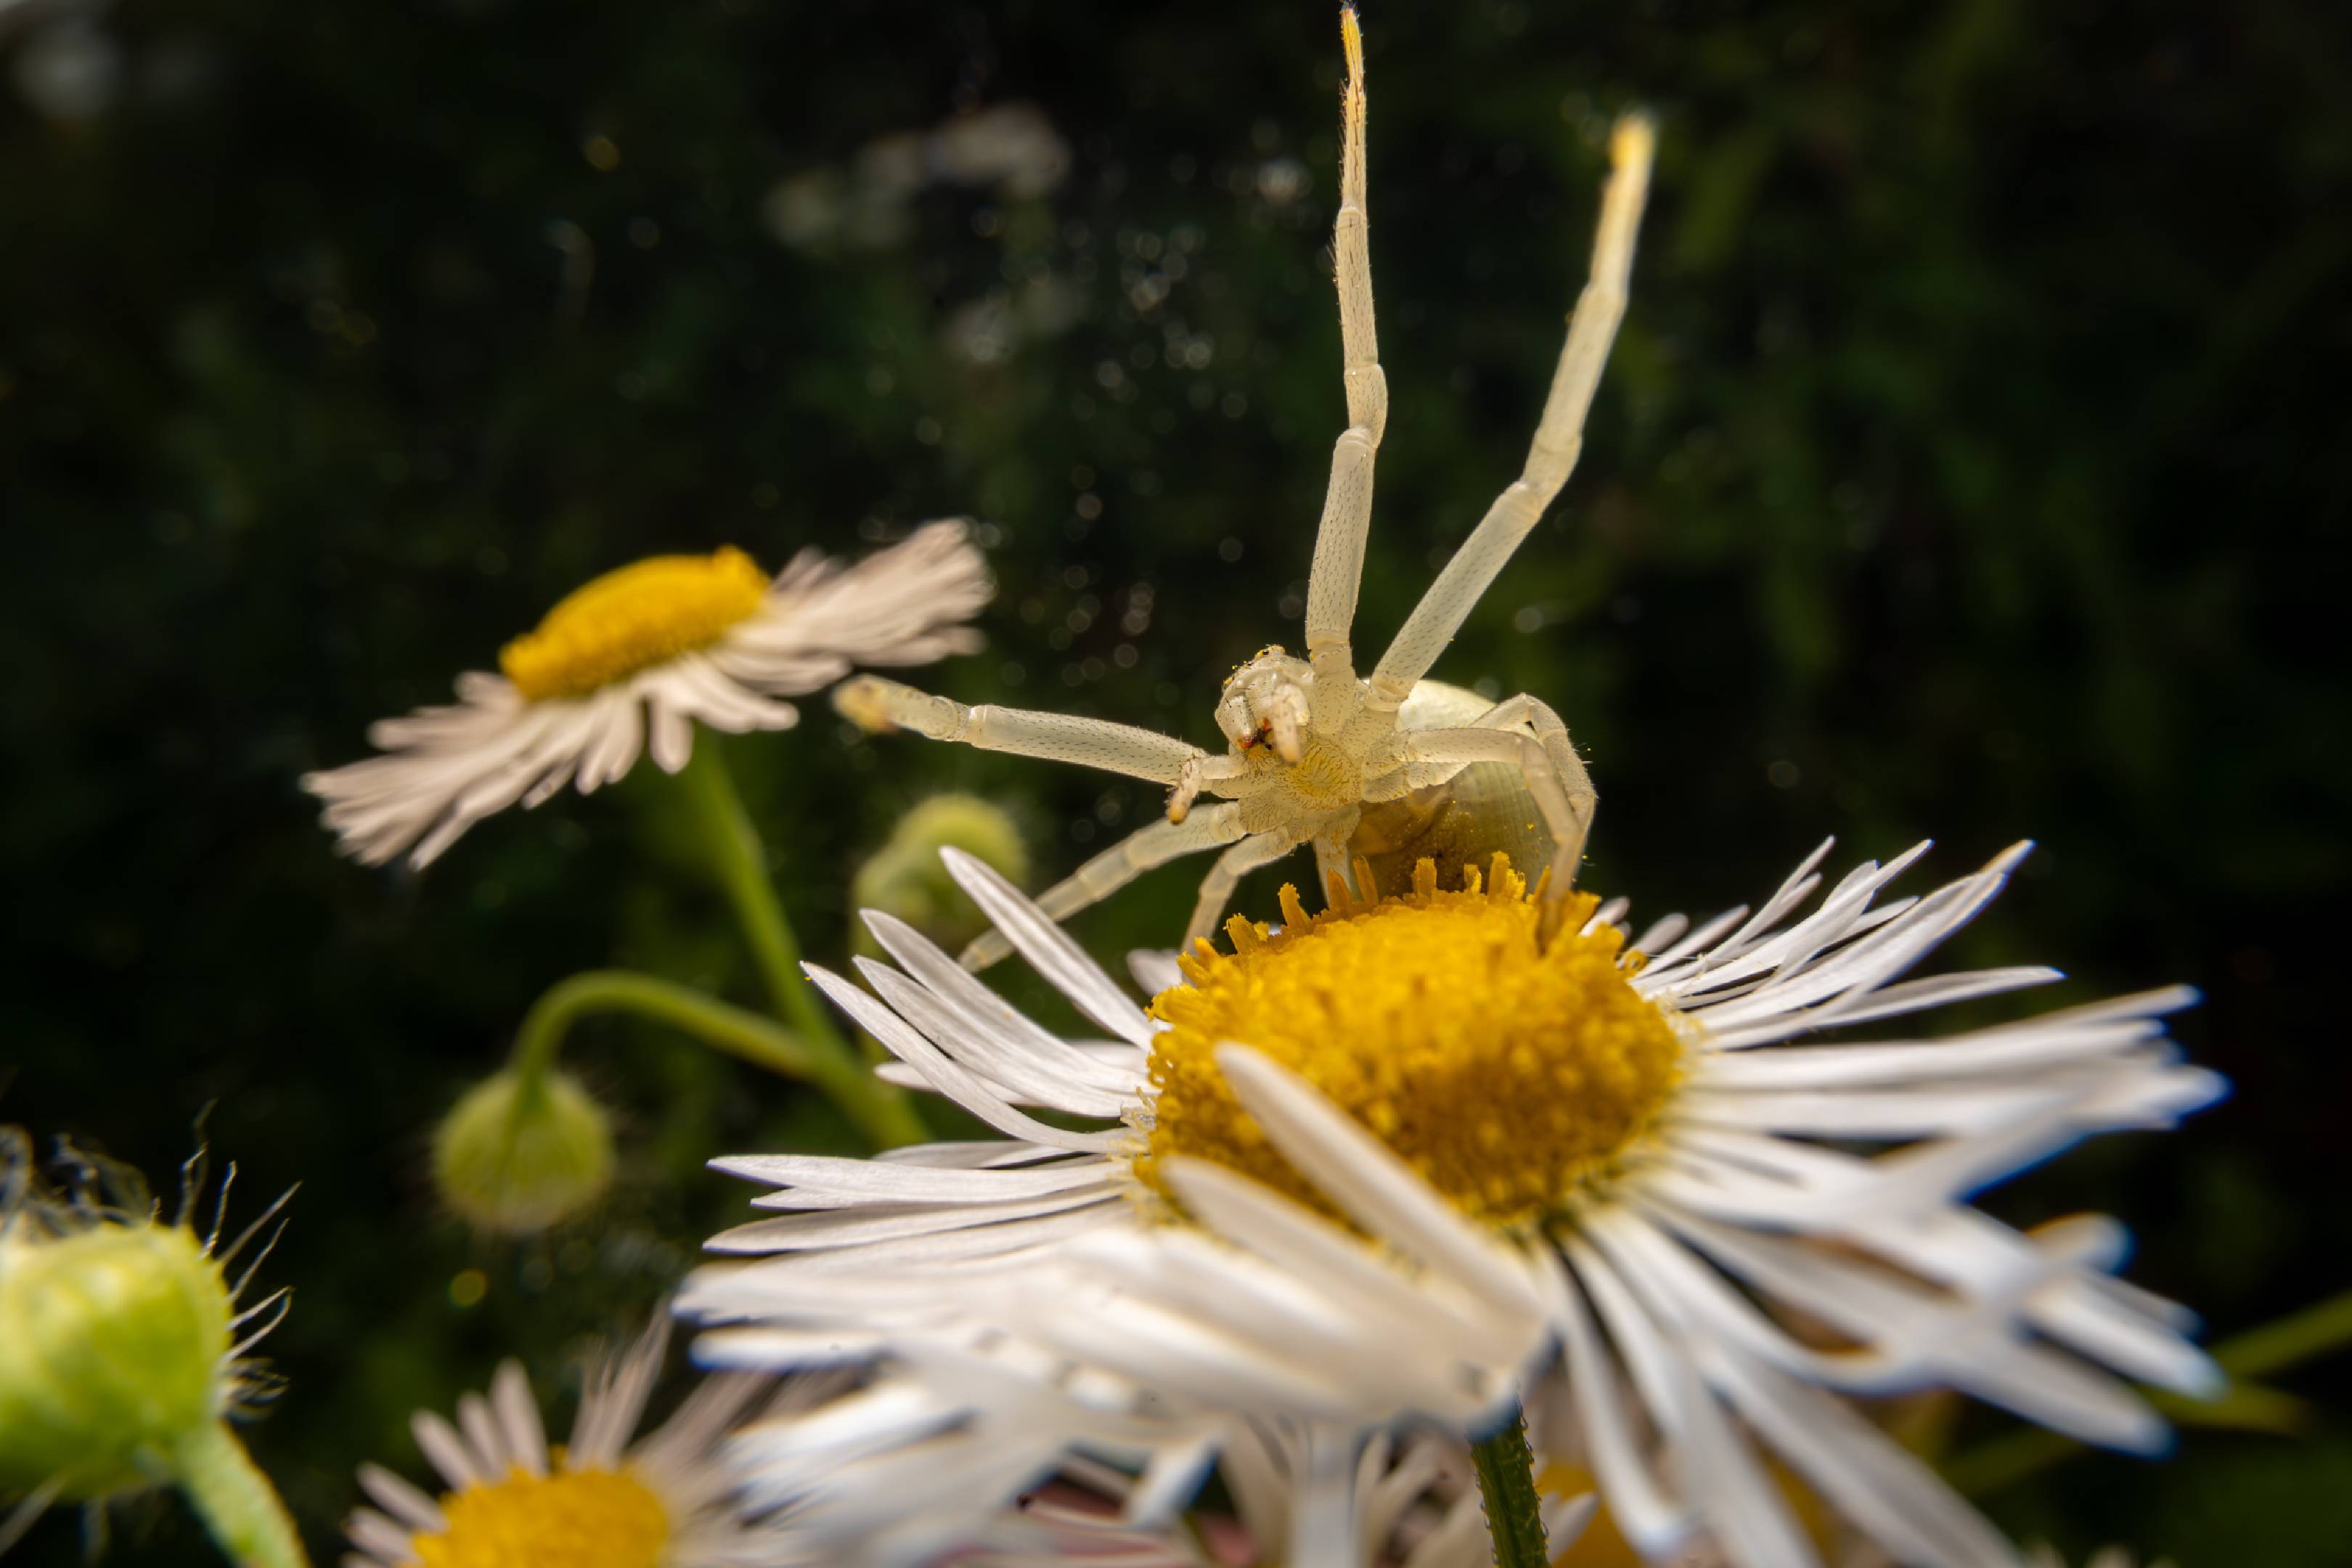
739, 863
235, 1500
2245, 1406
2297, 1337
1507, 1486
735, 1030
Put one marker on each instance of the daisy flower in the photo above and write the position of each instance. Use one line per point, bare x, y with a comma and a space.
632, 662
1006, 1354
599, 1501
1640, 1142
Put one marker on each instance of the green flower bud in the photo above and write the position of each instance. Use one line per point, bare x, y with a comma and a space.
519, 1153
906, 876
114, 1345
119, 1362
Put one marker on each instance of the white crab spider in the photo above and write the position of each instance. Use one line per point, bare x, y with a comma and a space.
1313, 743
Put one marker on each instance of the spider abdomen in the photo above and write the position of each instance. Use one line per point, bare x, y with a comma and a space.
1463, 821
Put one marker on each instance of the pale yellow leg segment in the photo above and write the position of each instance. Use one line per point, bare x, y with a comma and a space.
1217, 887
1153, 845
1339, 567
1331, 844
1199, 772
1559, 435
875, 705
1551, 734
1432, 755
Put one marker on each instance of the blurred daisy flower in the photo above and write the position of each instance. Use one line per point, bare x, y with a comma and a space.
632, 662
1619, 1152
2105, 1557
599, 1501
1414, 1506
1002, 1357
125, 1348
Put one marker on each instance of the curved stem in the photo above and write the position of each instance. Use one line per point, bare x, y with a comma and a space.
722, 1025
739, 863
735, 1030
2315, 1330
1507, 1486
235, 1500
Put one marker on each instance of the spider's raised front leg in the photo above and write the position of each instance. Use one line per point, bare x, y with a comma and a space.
1432, 756
1153, 845
1348, 506
875, 705
1217, 887
1559, 433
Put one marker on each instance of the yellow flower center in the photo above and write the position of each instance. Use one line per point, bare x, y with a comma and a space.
631, 619
573, 1518
1510, 1068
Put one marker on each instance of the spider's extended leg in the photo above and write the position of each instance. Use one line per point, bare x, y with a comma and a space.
1432, 756
1152, 844
1348, 506
1559, 435
874, 705
1217, 887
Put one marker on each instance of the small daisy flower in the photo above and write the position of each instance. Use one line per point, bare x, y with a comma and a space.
632, 662
1637, 1142
599, 1501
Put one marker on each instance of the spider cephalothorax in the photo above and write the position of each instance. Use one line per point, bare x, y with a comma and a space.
1265, 703
1315, 748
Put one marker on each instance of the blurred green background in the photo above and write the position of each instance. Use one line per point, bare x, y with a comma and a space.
1971, 465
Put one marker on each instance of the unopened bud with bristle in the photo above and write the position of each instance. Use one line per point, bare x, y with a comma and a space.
522, 1152
119, 1362
114, 1345
906, 876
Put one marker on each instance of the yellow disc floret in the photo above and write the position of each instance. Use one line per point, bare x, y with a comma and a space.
573, 1518
631, 619
1510, 1068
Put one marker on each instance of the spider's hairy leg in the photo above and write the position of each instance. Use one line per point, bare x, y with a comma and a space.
1559, 433
1431, 756
1348, 505
1153, 845
1217, 887
1199, 773
875, 705
1551, 734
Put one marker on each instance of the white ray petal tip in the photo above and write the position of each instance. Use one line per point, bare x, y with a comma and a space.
967, 868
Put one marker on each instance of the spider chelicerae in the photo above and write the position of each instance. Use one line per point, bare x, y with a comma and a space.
1314, 744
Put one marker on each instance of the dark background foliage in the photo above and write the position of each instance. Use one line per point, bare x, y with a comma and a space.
1971, 464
